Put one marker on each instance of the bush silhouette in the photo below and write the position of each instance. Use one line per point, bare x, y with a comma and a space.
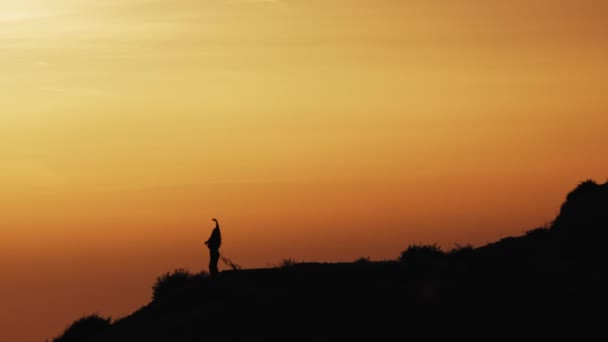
417, 253
462, 252
287, 263
84, 328
363, 260
174, 283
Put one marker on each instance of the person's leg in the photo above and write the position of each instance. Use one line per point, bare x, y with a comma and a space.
213, 260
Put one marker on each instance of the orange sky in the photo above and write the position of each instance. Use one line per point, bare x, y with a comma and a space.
318, 130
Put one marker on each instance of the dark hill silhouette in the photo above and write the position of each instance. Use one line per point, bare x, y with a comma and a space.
85, 327
548, 282
582, 224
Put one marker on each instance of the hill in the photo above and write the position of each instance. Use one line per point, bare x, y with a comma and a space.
548, 282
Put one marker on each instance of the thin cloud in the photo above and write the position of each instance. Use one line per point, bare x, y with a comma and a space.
80, 91
16, 17
269, 2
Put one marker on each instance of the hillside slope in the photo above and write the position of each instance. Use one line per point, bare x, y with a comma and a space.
548, 281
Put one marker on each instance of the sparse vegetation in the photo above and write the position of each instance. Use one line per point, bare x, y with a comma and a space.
419, 252
287, 263
460, 251
83, 328
363, 260
171, 284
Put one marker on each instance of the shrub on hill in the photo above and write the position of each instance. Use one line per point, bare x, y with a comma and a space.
363, 260
422, 253
84, 328
461, 252
174, 283
286, 263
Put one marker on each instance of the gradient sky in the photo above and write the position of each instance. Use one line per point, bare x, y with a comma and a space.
315, 130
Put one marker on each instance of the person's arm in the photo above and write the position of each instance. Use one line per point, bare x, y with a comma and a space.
217, 227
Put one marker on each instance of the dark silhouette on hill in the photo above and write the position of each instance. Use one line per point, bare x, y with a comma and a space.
582, 221
214, 242
84, 328
549, 282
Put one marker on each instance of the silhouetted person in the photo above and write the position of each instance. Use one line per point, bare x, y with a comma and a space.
214, 242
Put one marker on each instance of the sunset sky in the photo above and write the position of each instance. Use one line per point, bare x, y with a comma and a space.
321, 130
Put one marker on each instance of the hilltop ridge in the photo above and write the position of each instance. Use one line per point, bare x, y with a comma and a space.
549, 280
